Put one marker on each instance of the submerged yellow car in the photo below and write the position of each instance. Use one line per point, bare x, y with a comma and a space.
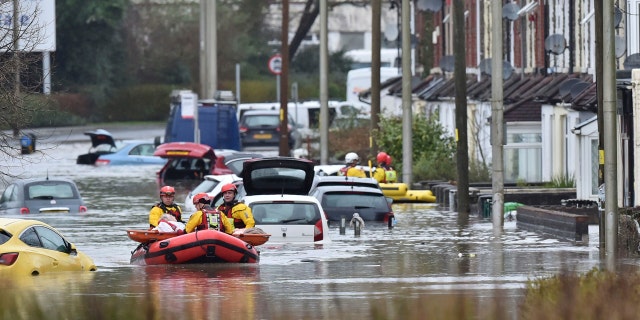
31, 247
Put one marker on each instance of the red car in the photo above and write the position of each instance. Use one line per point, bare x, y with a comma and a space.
188, 161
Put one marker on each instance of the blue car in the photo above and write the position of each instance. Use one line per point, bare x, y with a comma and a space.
132, 153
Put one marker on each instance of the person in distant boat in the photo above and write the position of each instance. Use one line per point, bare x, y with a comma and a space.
351, 160
166, 205
392, 175
237, 212
207, 217
384, 173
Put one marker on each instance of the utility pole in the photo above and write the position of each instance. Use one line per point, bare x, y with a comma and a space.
497, 114
460, 73
376, 9
324, 85
597, 6
208, 48
16, 64
407, 110
610, 133
284, 82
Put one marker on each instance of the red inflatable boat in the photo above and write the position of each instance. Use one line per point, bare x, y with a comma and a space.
204, 246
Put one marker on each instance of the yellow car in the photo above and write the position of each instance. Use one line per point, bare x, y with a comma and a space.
31, 247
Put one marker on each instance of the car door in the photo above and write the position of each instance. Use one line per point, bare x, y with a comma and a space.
49, 250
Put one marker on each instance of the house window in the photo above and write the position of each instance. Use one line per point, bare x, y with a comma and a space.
523, 156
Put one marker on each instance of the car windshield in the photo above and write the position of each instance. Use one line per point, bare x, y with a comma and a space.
285, 213
354, 200
262, 120
51, 190
205, 186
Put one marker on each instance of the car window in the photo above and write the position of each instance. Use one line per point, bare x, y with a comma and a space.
10, 194
4, 236
142, 150
30, 238
285, 213
262, 120
350, 200
50, 239
205, 186
50, 190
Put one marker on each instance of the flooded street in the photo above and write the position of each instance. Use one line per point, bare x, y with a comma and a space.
430, 253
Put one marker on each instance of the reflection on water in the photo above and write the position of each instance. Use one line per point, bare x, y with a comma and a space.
429, 258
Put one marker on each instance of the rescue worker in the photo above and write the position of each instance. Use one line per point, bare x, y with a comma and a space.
351, 160
384, 173
392, 175
237, 212
166, 205
206, 217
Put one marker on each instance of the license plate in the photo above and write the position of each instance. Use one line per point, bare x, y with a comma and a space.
262, 136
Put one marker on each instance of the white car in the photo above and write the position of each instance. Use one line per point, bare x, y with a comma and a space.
276, 189
212, 184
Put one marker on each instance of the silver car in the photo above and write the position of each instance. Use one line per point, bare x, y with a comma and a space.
42, 195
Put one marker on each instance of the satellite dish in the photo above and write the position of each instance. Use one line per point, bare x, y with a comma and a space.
429, 5
555, 44
632, 62
577, 88
565, 86
507, 70
617, 17
510, 11
391, 32
621, 46
447, 63
485, 66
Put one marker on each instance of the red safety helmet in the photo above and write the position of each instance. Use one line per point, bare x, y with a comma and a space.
229, 187
167, 191
388, 160
382, 157
201, 198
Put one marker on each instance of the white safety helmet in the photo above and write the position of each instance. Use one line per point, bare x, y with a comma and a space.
351, 157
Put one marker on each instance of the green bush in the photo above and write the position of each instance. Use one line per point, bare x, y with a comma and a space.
433, 150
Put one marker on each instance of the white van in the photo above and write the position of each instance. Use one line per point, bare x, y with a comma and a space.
305, 114
389, 58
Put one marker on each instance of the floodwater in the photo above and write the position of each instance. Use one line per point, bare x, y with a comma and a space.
430, 254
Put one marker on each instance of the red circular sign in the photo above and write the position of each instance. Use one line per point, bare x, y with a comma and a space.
275, 64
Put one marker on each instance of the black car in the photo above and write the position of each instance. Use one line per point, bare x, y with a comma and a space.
341, 197
261, 128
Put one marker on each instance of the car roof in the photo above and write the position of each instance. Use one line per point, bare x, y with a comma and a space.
345, 188
31, 180
14, 225
277, 175
322, 181
261, 112
100, 137
184, 150
235, 161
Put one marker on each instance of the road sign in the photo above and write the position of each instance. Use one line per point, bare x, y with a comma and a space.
275, 64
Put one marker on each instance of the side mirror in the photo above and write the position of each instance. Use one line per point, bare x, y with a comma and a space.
72, 249
389, 200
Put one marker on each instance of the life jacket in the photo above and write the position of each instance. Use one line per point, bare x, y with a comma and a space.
210, 220
228, 210
343, 171
391, 175
173, 210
